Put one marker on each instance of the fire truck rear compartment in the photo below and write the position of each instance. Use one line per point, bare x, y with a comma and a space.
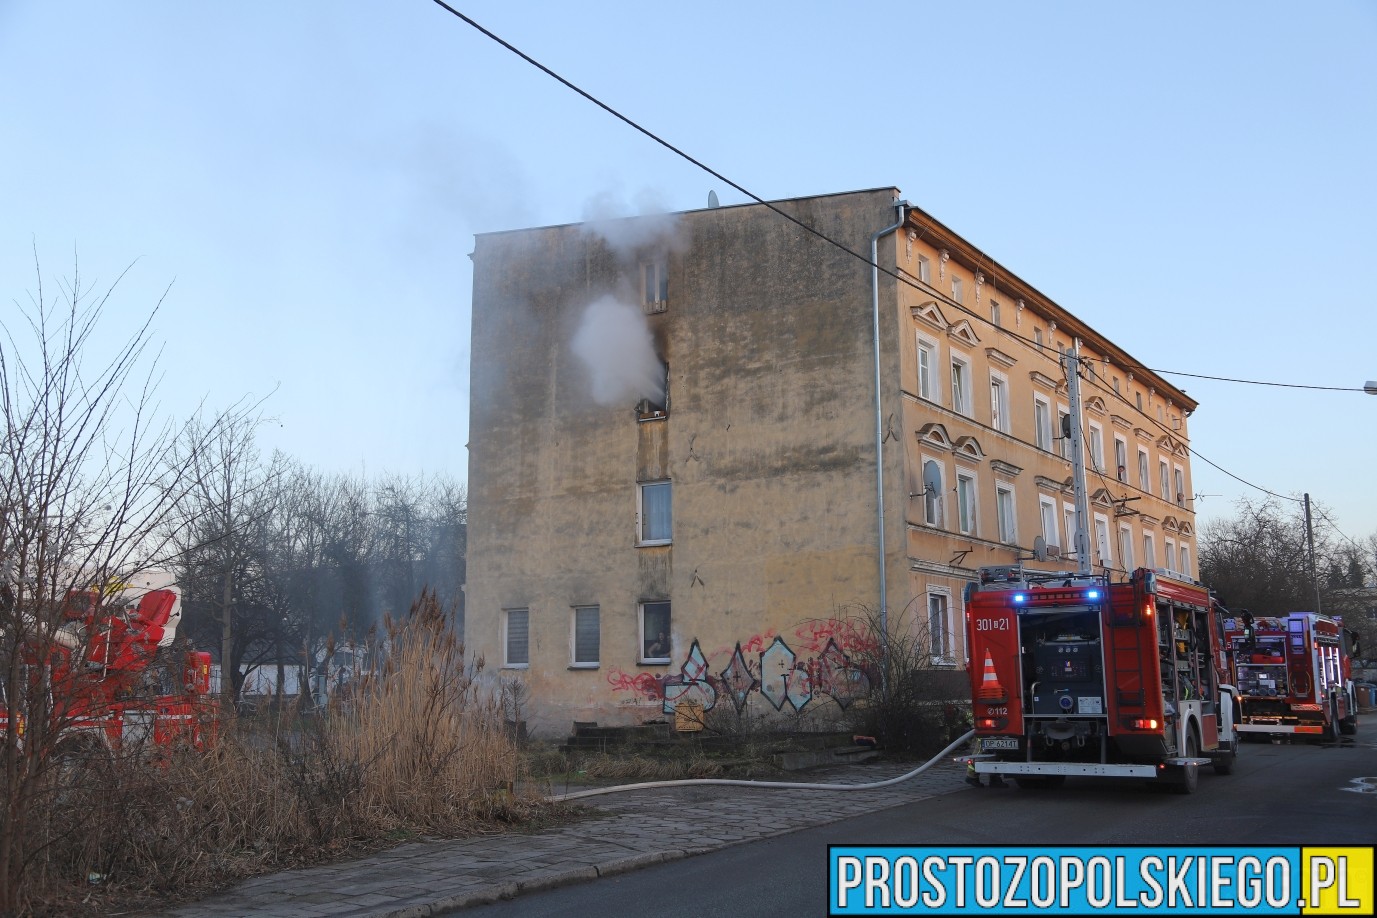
1064, 669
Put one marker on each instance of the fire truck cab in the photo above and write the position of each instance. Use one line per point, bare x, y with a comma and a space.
1074, 675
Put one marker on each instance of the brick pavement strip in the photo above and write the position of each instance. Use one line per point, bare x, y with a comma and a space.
636, 829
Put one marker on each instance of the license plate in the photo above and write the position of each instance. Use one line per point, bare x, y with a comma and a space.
999, 742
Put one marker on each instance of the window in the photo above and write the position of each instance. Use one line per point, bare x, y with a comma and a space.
924, 269
1138, 397
1185, 560
1149, 551
1042, 423
1064, 431
1004, 509
655, 633
1143, 481
999, 403
1126, 547
932, 493
1121, 459
927, 369
960, 385
516, 627
1102, 540
939, 628
1048, 508
1162, 479
654, 513
655, 285
1170, 553
587, 636
1179, 477
1116, 385
1037, 337
965, 503
956, 289
994, 312
1096, 445
1069, 515
648, 408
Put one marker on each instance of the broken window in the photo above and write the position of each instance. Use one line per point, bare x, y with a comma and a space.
655, 406
655, 285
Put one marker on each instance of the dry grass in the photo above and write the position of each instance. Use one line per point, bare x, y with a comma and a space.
418, 750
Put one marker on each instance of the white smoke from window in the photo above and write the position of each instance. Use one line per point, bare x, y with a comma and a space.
615, 344
629, 229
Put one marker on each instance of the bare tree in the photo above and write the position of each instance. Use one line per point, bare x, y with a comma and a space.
88, 480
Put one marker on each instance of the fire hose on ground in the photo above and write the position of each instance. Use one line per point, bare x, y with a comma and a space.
777, 785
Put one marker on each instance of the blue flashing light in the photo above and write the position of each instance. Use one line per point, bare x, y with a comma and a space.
1019, 597
1093, 594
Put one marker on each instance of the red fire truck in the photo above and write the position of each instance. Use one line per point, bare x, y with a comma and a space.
108, 676
1294, 674
1074, 675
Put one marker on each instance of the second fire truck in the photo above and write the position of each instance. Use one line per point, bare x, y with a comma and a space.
1294, 675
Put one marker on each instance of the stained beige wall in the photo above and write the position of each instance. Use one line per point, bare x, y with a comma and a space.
768, 443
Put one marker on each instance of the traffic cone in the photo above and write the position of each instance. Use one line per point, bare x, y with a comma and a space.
990, 690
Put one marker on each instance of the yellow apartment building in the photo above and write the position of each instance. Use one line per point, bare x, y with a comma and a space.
682, 484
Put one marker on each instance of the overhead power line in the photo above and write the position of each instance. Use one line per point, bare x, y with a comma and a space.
1035, 345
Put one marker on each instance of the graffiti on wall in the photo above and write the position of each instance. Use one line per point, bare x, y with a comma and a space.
823, 665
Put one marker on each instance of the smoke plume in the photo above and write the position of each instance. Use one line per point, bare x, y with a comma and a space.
615, 344
629, 229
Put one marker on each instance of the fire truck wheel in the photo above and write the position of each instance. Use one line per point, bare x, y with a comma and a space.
1330, 732
1040, 782
1188, 776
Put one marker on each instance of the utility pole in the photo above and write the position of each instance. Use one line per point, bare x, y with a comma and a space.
1310, 544
1071, 362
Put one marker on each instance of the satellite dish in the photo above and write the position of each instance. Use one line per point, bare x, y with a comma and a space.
1039, 549
712, 199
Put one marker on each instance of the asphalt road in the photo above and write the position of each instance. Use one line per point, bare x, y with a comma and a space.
1278, 794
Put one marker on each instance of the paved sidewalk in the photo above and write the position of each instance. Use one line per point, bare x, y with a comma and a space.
633, 829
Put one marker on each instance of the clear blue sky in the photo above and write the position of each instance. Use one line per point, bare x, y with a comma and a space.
1195, 180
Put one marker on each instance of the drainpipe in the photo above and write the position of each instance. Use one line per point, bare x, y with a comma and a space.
900, 207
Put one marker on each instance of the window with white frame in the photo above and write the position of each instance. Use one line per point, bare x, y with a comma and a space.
1163, 480
1138, 398
965, 503
654, 513
1143, 481
961, 384
655, 632
932, 492
1008, 519
1179, 477
1126, 547
586, 636
1169, 554
939, 627
994, 312
924, 269
1185, 560
1096, 445
999, 402
928, 387
1042, 423
655, 285
1063, 432
516, 638
1102, 540
1121, 459
1037, 337
1149, 551
1048, 508
956, 290
1068, 513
